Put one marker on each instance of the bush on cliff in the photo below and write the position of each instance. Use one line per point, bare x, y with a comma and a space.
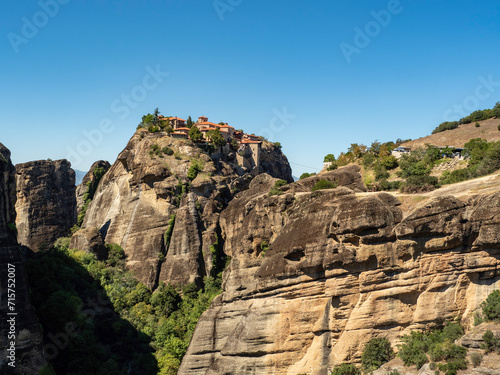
346, 369
275, 190
324, 184
491, 307
377, 352
437, 345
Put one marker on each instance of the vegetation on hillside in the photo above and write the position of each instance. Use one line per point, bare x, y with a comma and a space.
98, 319
419, 348
275, 190
483, 158
479, 115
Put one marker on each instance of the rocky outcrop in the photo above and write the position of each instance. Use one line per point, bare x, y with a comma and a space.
90, 241
46, 203
314, 276
274, 162
20, 333
158, 181
90, 181
7, 198
348, 176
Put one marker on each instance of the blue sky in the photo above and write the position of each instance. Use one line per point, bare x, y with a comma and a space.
78, 75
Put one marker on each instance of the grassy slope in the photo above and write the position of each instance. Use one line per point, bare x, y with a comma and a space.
458, 137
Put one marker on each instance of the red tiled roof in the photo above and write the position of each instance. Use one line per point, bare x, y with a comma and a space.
176, 118
246, 141
208, 123
182, 129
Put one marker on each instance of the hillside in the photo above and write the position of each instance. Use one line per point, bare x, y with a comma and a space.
458, 137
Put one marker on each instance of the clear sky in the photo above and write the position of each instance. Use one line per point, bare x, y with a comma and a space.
76, 76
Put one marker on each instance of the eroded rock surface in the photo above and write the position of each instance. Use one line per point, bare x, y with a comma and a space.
28, 337
46, 203
148, 188
314, 276
91, 181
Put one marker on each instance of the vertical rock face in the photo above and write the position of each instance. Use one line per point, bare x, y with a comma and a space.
274, 162
46, 202
151, 182
26, 341
7, 198
89, 180
314, 276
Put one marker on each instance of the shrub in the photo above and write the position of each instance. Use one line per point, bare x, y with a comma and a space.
332, 167
305, 175
324, 184
275, 190
413, 164
280, 183
380, 173
491, 307
234, 144
498, 127
416, 184
438, 345
385, 185
264, 246
491, 342
389, 162
476, 359
455, 176
394, 372
447, 125
195, 168
277, 145
368, 160
377, 352
477, 125
167, 151
346, 369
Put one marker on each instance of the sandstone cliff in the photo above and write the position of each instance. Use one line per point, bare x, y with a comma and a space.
28, 343
314, 276
90, 181
161, 202
46, 202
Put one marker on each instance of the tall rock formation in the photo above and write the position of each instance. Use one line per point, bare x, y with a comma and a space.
20, 335
159, 182
314, 276
46, 202
90, 181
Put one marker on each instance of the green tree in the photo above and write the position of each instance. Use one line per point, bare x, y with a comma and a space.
389, 162
189, 122
216, 138
329, 158
147, 120
377, 352
357, 150
491, 307
165, 300
156, 117
195, 134
475, 150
